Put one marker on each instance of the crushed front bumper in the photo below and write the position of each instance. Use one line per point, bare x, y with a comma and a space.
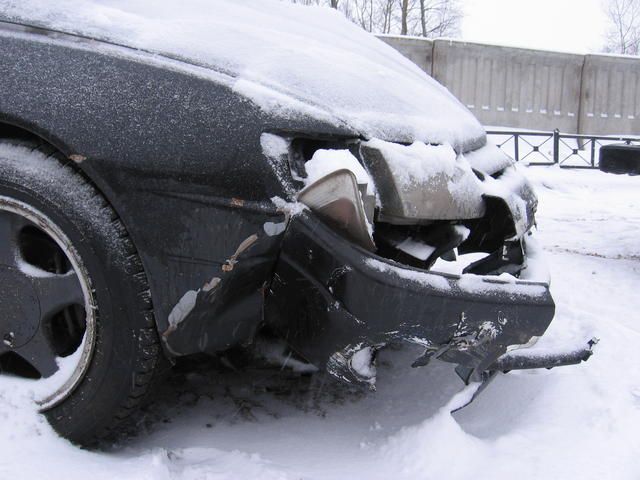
332, 300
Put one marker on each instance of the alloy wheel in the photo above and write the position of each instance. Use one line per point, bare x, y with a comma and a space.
47, 309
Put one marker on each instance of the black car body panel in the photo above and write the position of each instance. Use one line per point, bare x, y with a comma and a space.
180, 157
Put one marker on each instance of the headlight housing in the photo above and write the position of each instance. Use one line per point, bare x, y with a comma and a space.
337, 199
420, 183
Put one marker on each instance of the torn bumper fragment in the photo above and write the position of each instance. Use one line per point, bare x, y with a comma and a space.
522, 360
335, 303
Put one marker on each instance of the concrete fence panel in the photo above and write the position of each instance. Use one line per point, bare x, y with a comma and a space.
418, 50
512, 87
610, 98
534, 89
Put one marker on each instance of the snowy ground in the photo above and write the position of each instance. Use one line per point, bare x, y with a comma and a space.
577, 422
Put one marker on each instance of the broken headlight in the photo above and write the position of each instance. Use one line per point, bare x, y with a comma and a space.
337, 199
421, 182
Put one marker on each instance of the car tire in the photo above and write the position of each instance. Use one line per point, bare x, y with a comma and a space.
119, 351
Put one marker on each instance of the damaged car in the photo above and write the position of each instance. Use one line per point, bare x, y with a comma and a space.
175, 181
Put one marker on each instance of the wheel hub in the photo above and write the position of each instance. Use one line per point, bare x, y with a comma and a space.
47, 311
19, 308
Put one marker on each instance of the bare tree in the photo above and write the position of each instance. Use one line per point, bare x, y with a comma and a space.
361, 13
433, 18
623, 35
440, 18
386, 8
330, 3
423, 17
404, 15
427, 18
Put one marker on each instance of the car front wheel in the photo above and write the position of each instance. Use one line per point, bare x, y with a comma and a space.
75, 311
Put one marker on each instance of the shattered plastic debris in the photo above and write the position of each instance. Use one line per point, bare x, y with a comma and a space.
354, 364
290, 209
244, 245
272, 229
416, 248
187, 303
181, 310
362, 363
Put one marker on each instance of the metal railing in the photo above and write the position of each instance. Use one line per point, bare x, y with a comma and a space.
555, 148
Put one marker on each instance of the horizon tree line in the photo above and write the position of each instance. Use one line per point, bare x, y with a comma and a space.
442, 18
423, 18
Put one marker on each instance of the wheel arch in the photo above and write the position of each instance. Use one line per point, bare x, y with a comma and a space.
22, 132
17, 129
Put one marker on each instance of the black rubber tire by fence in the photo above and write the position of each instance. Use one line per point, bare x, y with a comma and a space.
127, 353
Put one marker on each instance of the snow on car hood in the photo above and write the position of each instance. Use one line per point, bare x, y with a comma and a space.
289, 59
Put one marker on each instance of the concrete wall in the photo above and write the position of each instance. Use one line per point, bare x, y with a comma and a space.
533, 89
418, 50
610, 100
512, 87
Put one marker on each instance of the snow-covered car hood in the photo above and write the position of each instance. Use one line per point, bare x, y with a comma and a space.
289, 59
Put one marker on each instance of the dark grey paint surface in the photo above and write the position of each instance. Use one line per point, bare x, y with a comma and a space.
169, 150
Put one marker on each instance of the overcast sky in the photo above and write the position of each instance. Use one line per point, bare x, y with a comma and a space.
567, 25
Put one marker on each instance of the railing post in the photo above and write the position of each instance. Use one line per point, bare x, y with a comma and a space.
516, 148
556, 146
593, 152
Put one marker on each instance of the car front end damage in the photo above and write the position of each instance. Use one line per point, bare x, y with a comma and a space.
439, 253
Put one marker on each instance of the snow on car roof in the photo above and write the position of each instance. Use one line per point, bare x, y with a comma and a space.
280, 55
